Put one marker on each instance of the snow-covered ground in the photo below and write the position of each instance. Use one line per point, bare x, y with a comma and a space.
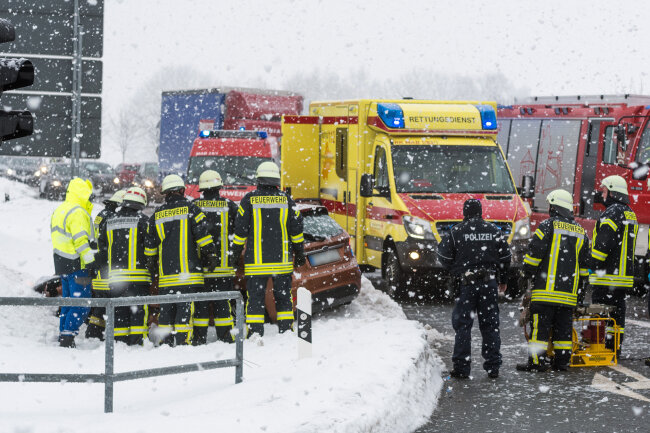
372, 370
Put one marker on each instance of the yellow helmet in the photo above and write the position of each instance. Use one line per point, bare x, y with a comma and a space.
615, 183
209, 179
172, 182
560, 198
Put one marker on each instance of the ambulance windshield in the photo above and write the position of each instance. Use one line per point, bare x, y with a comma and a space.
234, 170
450, 169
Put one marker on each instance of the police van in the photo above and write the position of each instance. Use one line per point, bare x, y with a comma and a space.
395, 175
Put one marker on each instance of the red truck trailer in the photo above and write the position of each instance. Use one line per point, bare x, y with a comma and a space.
573, 142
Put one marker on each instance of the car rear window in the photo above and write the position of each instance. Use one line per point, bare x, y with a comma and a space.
320, 226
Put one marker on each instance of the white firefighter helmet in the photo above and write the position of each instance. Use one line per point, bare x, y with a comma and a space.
209, 179
615, 183
560, 198
135, 194
268, 173
172, 182
117, 197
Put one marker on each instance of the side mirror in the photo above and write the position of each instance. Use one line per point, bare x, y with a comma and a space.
620, 137
366, 184
527, 189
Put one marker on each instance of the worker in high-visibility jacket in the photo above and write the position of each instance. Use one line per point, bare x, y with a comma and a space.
558, 256
270, 226
72, 233
178, 233
220, 213
122, 241
612, 255
96, 323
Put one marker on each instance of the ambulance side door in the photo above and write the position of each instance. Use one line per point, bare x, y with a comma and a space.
377, 208
640, 190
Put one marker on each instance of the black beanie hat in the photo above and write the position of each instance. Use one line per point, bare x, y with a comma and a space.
472, 208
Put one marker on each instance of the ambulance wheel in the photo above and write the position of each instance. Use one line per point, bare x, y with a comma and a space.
395, 278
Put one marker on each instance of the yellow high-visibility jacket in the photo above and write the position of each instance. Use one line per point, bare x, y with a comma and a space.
72, 229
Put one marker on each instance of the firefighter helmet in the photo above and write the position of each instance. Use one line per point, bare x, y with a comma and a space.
172, 182
210, 179
136, 195
268, 173
560, 198
117, 197
615, 184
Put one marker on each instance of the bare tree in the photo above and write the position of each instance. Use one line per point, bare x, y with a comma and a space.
127, 128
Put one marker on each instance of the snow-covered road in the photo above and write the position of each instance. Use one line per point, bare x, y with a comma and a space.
372, 370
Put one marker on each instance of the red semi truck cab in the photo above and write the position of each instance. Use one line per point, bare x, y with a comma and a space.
573, 142
235, 155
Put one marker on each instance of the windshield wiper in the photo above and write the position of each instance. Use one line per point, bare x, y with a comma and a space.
313, 237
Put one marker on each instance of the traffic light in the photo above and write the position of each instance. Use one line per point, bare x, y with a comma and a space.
14, 74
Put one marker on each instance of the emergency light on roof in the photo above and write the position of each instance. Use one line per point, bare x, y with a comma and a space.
391, 114
227, 133
488, 116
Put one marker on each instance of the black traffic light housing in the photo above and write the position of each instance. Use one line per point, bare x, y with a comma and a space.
14, 74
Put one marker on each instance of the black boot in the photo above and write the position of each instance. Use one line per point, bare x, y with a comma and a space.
223, 334
95, 331
67, 341
284, 326
529, 366
200, 336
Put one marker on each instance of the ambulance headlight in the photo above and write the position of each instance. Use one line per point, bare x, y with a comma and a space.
417, 228
488, 116
522, 229
391, 114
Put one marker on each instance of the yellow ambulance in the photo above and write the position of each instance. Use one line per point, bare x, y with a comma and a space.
395, 175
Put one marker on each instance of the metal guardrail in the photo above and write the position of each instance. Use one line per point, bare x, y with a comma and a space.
110, 377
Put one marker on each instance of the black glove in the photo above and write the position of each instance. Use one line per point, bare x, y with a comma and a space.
93, 269
236, 252
210, 262
299, 258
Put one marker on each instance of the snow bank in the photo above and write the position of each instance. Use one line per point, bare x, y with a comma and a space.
372, 370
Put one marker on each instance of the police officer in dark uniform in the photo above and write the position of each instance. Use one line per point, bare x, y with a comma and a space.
558, 256
271, 228
178, 232
122, 246
220, 213
96, 323
477, 255
612, 256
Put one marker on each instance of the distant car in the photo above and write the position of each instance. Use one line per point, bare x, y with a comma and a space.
53, 183
26, 169
147, 178
126, 173
331, 272
104, 179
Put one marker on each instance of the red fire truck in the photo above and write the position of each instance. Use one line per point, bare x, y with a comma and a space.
234, 154
573, 142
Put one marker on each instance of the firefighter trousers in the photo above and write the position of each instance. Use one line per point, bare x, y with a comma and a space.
480, 298
71, 318
131, 321
96, 322
616, 298
177, 318
545, 318
256, 289
222, 313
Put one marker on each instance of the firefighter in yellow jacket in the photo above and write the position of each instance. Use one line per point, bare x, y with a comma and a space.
558, 255
271, 228
72, 234
612, 256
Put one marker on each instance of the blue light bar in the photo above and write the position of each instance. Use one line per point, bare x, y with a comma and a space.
391, 114
242, 128
488, 116
204, 133
262, 134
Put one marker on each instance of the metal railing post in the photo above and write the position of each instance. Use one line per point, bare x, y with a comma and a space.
108, 360
239, 350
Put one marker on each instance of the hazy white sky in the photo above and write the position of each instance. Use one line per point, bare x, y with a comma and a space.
544, 47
